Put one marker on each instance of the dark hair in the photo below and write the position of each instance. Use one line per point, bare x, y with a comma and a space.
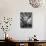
34, 35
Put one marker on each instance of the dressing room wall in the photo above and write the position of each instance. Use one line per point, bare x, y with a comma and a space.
12, 8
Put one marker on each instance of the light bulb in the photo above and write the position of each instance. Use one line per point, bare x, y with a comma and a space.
7, 35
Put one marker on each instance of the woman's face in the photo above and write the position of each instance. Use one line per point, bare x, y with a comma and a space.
25, 18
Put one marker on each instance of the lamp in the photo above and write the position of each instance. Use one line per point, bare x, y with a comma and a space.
36, 3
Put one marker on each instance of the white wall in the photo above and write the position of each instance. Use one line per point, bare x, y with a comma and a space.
12, 8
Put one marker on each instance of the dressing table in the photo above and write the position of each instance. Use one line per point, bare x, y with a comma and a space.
27, 43
8, 42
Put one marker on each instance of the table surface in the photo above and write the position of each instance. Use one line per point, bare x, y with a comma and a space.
26, 41
40, 41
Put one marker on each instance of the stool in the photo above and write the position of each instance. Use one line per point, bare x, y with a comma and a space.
21, 44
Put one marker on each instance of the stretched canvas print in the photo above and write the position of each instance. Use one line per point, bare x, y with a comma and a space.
26, 19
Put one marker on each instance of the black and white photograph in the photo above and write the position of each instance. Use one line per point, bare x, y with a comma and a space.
26, 19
